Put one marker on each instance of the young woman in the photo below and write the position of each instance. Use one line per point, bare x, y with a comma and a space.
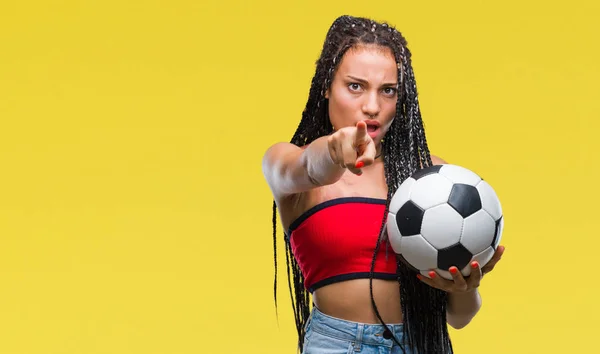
360, 136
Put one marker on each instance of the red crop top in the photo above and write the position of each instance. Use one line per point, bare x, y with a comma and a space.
335, 240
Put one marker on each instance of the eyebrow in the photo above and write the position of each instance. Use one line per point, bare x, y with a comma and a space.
366, 82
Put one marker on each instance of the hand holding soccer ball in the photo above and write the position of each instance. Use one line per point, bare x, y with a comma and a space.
459, 283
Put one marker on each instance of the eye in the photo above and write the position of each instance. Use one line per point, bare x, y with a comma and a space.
353, 86
390, 91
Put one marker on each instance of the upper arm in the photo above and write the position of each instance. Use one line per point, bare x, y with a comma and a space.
436, 160
285, 170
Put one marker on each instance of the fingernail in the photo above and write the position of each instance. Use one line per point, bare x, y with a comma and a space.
474, 265
359, 164
419, 276
432, 274
453, 270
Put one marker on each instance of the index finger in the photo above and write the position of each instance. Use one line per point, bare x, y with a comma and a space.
361, 132
492, 262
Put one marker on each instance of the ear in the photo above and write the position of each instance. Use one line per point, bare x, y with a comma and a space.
327, 94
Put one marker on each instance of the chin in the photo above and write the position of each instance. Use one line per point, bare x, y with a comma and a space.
378, 136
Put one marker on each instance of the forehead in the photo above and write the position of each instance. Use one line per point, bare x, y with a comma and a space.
371, 62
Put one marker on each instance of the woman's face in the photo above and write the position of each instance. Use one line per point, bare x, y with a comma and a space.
364, 87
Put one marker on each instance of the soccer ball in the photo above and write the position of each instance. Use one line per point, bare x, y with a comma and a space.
443, 216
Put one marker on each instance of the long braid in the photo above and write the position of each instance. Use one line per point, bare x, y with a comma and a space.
275, 254
429, 333
404, 149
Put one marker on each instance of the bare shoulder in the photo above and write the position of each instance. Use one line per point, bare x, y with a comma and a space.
284, 170
274, 153
436, 160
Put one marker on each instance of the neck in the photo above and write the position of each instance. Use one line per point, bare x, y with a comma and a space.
378, 151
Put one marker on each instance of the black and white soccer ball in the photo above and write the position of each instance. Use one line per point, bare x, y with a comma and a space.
444, 216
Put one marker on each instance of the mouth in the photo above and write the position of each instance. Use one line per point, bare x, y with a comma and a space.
372, 126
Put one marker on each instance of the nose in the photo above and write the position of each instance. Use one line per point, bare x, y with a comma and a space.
371, 105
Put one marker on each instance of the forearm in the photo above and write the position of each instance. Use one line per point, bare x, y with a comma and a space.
462, 307
320, 167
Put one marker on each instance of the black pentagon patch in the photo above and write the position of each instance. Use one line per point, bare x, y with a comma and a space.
409, 219
426, 171
497, 233
456, 255
464, 199
402, 261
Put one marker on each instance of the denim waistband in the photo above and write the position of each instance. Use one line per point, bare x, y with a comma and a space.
370, 334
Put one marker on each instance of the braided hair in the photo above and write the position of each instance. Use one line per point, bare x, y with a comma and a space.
404, 151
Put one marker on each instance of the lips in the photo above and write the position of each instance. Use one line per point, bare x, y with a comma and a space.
372, 125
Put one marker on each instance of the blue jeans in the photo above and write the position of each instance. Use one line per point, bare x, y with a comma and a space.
329, 335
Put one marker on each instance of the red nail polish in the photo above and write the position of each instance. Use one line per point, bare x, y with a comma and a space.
359, 164
432, 274
453, 270
474, 265
419, 276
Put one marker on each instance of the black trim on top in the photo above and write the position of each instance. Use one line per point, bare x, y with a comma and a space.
351, 276
329, 203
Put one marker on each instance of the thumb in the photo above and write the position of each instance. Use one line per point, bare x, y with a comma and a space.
367, 156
